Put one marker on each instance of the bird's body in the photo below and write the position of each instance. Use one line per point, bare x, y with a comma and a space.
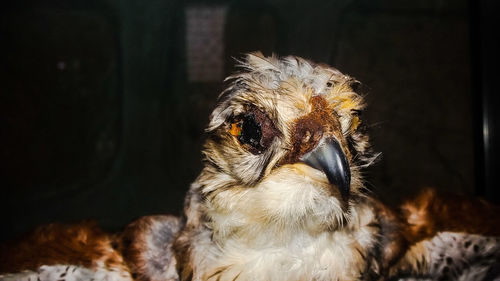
281, 197
256, 251
258, 211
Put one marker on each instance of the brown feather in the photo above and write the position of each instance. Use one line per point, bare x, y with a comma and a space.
431, 212
82, 244
145, 244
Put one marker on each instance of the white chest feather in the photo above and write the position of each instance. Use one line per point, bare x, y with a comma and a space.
327, 257
299, 255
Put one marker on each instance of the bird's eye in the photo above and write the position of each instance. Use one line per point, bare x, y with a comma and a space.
254, 130
248, 131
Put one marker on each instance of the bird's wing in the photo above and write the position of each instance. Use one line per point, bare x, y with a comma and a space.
147, 247
450, 238
79, 251
83, 251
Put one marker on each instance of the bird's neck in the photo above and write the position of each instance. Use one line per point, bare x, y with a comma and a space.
314, 252
232, 211
247, 229
227, 230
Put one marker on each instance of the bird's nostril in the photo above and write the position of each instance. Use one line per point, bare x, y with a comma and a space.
311, 137
306, 137
317, 136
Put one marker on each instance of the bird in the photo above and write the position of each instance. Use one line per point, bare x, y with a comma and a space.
281, 196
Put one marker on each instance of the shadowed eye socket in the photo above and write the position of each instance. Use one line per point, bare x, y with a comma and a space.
356, 112
254, 130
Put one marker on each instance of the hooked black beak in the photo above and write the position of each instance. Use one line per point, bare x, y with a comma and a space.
329, 158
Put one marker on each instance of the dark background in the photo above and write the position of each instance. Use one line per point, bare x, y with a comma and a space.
103, 102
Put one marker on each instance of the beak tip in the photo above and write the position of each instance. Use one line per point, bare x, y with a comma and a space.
329, 158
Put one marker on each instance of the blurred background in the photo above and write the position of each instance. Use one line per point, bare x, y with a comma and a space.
103, 102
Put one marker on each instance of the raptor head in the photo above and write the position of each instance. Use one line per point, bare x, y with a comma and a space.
285, 146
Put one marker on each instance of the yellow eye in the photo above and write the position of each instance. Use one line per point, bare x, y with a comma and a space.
235, 129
